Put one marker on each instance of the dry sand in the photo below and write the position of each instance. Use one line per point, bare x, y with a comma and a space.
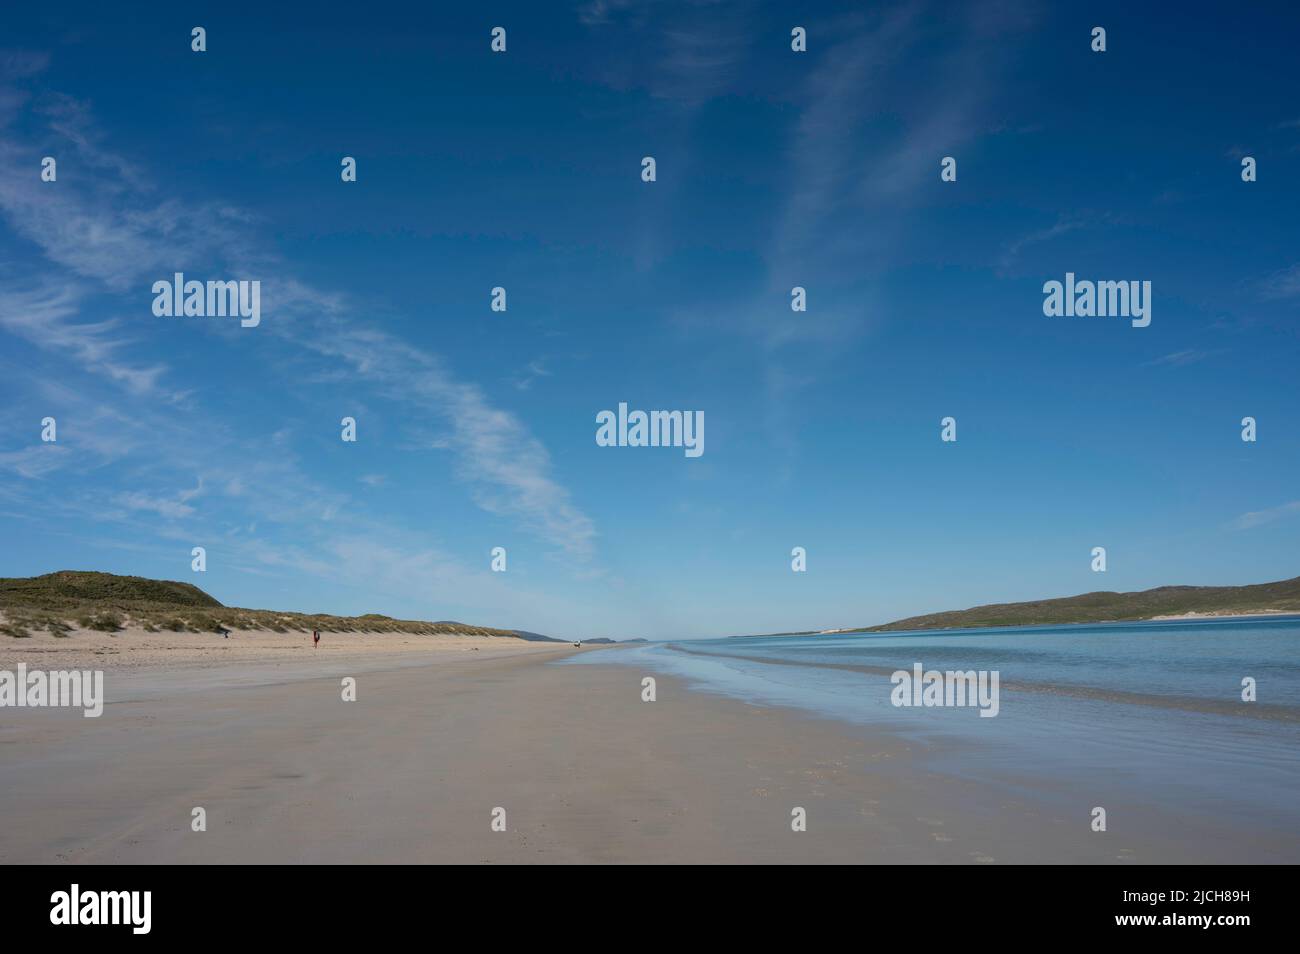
440, 736
133, 648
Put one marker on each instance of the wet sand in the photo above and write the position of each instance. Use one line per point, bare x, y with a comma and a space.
586, 772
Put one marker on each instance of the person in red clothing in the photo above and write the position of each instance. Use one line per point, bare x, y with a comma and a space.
315, 635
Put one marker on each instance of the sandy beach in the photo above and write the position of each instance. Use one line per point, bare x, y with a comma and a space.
133, 648
1244, 614
441, 735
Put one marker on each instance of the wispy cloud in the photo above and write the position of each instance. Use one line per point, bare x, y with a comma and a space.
36, 461
693, 56
1064, 225
536, 369
1257, 518
164, 507
507, 468
1180, 358
865, 82
847, 188
599, 12
44, 314
1282, 284
109, 233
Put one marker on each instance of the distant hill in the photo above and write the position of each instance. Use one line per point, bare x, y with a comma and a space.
1283, 596
108, 602
536, 637
599, 640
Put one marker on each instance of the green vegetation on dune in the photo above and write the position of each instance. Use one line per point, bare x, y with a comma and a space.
80, 588
1283, 596
107, 602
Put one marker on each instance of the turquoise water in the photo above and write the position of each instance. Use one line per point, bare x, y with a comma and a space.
1154, 709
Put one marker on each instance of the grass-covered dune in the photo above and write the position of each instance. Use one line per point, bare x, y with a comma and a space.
73, 588
1283, 596
104, 601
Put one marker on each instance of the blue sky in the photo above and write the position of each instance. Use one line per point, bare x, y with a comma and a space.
476, 429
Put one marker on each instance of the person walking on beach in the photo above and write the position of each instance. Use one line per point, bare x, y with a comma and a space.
315, 635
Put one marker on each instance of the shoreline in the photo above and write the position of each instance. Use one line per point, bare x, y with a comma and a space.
587, 772
1244, 614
